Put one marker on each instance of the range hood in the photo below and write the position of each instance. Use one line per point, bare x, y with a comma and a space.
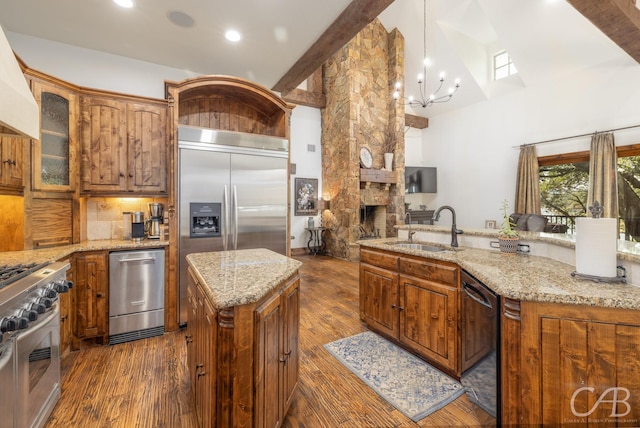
19, 113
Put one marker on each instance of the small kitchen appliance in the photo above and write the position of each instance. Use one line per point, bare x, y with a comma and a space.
154, 224
137, 226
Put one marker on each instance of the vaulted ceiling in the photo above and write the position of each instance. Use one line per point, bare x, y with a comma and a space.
286, 40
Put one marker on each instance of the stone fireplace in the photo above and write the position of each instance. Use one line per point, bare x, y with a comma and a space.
360, 112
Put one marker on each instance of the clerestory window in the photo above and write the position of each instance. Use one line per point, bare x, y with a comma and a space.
503, 65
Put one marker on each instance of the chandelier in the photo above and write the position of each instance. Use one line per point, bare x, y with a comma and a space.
436, 96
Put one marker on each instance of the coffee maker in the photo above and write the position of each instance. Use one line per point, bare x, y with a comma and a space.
154, 224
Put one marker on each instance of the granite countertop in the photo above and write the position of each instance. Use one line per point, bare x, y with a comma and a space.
57, 253
626, 250
241, 277
526, 277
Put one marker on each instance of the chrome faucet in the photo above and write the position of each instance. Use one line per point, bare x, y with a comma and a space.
454, 230
408, 214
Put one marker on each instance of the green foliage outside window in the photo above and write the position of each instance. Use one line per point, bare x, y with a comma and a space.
564, 189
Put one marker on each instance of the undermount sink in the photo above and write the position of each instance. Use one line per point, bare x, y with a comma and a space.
422, 247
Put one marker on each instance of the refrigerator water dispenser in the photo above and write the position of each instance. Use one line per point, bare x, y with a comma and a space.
205, 219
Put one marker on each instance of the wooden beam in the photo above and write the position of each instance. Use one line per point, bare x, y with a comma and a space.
305, 98
312, 97
354, 18
416, 121
617, 19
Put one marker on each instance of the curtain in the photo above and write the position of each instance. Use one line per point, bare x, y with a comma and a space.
603, 171
528, 182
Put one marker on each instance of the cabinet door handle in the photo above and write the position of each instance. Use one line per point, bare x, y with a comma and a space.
393, 306
199, 366
99, 295
9, 161
201, 374
401, 308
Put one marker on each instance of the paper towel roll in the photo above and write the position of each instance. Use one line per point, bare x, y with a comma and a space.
596, 246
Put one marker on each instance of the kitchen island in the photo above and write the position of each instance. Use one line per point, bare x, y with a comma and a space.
242, 336
569, 349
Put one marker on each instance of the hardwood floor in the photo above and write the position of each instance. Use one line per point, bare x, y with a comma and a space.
145, 383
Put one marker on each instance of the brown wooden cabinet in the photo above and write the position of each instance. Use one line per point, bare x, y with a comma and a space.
221, 346
91, 295
12, 165
54, 157
124, 146
277, 368
570, 364
379, 299
429, 320
413, 301
66, 307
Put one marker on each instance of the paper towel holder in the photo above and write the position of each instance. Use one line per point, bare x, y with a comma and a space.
621, 276
596, 209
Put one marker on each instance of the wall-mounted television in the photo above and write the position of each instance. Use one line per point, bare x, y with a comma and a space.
420, 179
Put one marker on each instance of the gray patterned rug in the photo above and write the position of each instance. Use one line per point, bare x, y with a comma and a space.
411, 385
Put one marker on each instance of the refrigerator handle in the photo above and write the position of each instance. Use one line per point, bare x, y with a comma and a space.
234, 212
225, 218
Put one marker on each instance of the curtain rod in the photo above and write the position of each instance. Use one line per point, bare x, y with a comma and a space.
575, 136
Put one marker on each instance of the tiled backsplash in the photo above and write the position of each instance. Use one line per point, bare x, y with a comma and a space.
104, 215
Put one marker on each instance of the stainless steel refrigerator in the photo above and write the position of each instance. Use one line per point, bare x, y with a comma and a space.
232, 194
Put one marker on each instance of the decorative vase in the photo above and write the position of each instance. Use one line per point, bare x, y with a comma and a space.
508, 245
310, 222
388, 161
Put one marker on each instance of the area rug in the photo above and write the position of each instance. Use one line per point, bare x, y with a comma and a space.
411, 385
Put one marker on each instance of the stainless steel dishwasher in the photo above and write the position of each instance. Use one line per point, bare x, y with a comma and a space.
136, 295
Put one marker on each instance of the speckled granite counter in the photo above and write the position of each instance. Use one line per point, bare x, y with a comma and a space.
56, 253
240, 277
526, 277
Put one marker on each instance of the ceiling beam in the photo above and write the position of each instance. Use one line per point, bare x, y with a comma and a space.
354, 18
617, 19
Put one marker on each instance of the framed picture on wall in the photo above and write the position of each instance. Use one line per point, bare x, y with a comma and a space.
306, 196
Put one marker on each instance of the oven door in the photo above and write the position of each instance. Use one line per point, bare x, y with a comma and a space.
7, 384
38, 369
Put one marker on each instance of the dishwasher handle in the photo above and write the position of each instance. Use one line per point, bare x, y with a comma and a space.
138, 259
473, 292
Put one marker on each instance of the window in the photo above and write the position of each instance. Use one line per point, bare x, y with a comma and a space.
503, 65
564, 185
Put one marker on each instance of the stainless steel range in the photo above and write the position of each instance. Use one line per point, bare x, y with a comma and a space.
30, 342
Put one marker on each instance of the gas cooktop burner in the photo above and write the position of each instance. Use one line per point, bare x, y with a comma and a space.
9, 274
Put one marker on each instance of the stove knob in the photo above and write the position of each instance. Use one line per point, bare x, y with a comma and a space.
39, 307
45, 301
70, 284
22, 323
29, 315
61, 286
50, 293
8, 324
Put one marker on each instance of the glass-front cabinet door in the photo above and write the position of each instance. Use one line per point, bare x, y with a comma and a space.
54, 156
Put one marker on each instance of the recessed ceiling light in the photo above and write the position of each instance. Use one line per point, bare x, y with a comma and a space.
181, 19
233, 36
124, 3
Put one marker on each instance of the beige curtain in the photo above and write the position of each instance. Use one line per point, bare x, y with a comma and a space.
603, 171
528, 184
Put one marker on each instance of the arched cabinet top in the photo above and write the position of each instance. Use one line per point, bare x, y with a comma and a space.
229, 103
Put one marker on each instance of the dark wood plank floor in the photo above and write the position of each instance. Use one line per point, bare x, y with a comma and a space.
145, 383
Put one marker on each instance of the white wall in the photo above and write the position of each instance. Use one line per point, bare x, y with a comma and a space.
473, 147
306, 130
93, 69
